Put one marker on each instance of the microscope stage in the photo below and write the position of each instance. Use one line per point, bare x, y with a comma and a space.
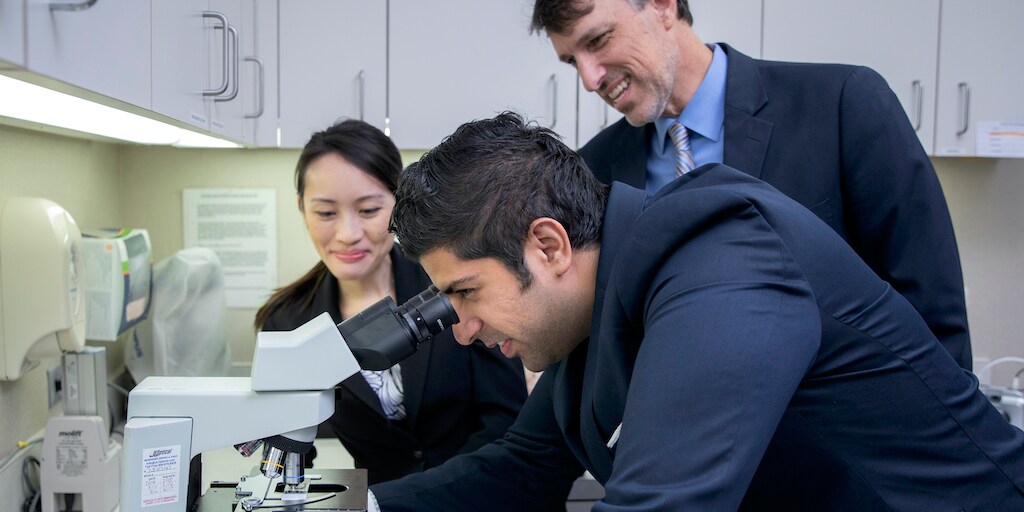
348, 485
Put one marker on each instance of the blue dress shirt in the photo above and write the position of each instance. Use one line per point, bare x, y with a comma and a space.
704, 117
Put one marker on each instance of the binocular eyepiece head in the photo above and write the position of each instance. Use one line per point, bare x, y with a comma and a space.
385, 333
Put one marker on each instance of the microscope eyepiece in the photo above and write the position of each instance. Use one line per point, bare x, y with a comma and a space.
384, 334
429, 313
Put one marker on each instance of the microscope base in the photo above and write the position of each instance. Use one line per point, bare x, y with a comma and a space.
348, 486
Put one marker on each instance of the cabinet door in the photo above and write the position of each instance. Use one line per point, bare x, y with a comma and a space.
259, 73
736, 22
104, 48
460, 60
180, 59
896, 39
12, 34
980, 71
226, 109
333, 65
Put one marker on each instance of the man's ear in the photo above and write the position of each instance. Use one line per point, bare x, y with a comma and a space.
298, 202
549, 242
667, 11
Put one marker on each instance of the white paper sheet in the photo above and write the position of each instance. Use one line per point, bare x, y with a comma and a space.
240, 225
1001, 139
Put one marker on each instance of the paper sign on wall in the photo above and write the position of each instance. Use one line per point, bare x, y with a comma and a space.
240, 225
1001, 139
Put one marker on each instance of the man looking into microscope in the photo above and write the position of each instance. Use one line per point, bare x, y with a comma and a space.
678, 333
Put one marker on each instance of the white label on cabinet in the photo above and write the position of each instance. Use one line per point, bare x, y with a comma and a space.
1001, 139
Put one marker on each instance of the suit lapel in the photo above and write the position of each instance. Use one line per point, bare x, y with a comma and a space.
327, 299
746, 136
409, 281
631, 166
602, 403
565, 400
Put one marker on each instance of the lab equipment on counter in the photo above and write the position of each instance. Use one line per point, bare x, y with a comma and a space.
185, 334
42, 314
1009, 401
172, 420
42, 302
80, 462
118, 280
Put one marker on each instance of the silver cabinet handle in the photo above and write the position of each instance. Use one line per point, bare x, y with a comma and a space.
78, 6
965, 107
224, 25
918, 99
554, 100
263, 88
362, 95
233, 65
604, 122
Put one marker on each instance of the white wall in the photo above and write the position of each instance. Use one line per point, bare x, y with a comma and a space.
984, 197
156, 177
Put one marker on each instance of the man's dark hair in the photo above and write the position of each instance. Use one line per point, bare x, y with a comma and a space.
556, 16
477, 192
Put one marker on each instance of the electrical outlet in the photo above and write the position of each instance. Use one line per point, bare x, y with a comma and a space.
55, 384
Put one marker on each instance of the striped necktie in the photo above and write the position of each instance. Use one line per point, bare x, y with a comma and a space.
681, 142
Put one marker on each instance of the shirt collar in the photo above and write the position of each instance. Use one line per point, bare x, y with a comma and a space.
705, 113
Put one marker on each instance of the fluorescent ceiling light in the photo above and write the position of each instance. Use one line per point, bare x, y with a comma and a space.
30, 102
190, 139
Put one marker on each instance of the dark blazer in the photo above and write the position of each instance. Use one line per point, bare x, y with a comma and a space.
723, 309
456, 398
835, 139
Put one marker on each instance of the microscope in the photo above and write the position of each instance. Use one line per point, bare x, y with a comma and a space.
173, 420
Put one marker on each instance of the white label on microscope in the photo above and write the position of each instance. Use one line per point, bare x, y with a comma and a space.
161, 469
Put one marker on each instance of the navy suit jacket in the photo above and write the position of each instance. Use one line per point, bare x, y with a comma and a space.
835, 139
723, 311
456, 399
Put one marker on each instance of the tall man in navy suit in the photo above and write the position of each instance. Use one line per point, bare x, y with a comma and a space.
832, 137
678, 334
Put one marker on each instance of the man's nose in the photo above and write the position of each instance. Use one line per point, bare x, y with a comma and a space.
591, 73
466, 330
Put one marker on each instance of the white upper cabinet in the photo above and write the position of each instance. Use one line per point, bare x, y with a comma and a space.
736, 22
333, 65
259, 73
181, 54
104, 48
460, 60
981, 72
196, 63
226, 110
896, 39
12, 34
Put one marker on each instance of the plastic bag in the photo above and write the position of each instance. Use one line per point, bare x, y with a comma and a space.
186, 332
